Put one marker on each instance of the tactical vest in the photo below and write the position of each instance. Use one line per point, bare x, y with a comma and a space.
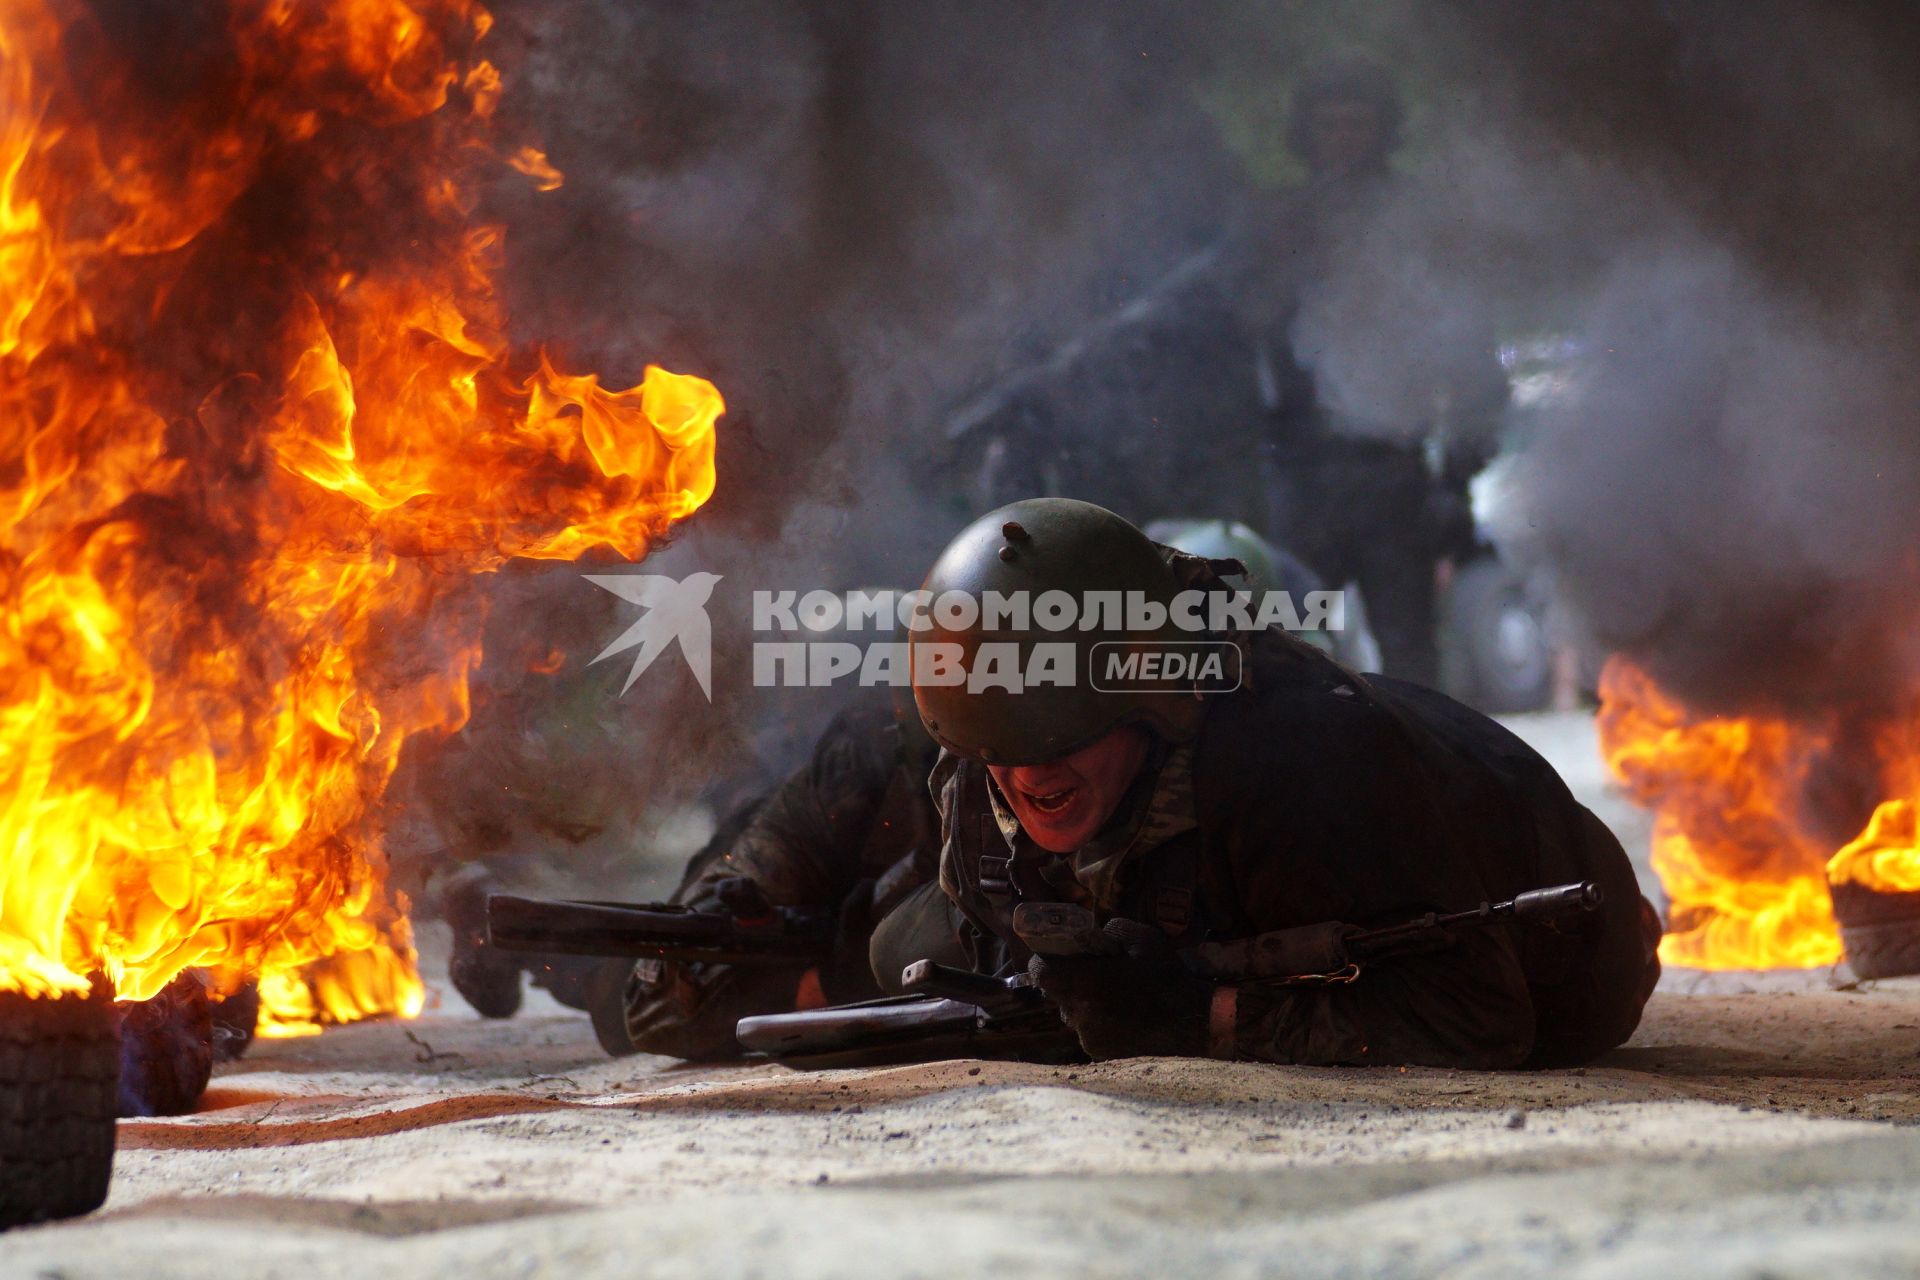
1162, 885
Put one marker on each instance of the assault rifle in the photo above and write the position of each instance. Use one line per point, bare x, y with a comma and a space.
950, 1012
946, 1013
663, 930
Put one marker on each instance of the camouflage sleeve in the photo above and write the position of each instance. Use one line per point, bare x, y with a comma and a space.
1465, 1007
800, 844
925, 926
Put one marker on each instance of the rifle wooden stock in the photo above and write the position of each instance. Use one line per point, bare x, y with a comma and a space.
915, 1028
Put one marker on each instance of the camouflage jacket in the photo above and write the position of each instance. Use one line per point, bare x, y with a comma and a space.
855, 813
1314, 794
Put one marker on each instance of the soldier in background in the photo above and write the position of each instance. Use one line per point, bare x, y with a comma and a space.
1382, 390
852, 829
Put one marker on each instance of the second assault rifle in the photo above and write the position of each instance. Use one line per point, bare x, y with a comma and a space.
951, 1012
662, 930
947, 1013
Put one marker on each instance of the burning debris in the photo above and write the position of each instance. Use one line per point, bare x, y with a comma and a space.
166, 1049
260, 427
1745, 839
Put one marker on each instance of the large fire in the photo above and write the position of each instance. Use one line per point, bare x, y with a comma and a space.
259, 431
1732, 842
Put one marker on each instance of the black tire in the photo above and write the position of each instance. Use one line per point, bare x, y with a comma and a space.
1880, 931
166, 1050
607, 1006
59, 1071
1493, 638
234, 1022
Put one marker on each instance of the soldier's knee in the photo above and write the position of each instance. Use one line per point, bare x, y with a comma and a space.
920, 928
666, 1012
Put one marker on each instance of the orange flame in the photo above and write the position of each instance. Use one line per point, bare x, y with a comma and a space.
346, 986
1748, 885
253, 450
534, 163
1885, 856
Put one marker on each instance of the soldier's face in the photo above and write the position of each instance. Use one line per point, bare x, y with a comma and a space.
1345, 137
1063, 802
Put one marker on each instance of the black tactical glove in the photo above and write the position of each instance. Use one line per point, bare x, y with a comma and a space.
845, 973
743, 897
1135, 1002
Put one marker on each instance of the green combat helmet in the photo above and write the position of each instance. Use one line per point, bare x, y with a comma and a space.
1078, 551
1268, 568
918, 751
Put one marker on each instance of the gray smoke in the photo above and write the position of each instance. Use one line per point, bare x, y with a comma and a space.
1732, 497
847, 215
1713, 208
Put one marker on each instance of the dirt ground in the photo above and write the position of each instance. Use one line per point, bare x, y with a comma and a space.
1755, 1126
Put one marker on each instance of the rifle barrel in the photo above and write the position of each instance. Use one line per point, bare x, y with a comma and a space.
1549, 903
658, 930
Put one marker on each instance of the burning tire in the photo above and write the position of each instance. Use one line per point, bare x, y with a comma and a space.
235, 1019
1880, 931
59, 1072
166, 1050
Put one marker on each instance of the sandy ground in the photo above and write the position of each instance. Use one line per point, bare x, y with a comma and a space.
1756, 1126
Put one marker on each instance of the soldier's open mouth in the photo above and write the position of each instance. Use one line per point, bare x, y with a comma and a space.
1053, 801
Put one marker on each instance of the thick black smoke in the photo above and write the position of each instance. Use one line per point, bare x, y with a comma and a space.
1733, 496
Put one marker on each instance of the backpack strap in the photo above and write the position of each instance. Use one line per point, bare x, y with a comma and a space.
1168, 890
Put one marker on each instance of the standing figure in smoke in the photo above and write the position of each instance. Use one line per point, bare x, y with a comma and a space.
1382, 393
852, 831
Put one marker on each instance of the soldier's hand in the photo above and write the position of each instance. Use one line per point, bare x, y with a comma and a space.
1137, 1001
662, 1011
742, 896
485, 976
